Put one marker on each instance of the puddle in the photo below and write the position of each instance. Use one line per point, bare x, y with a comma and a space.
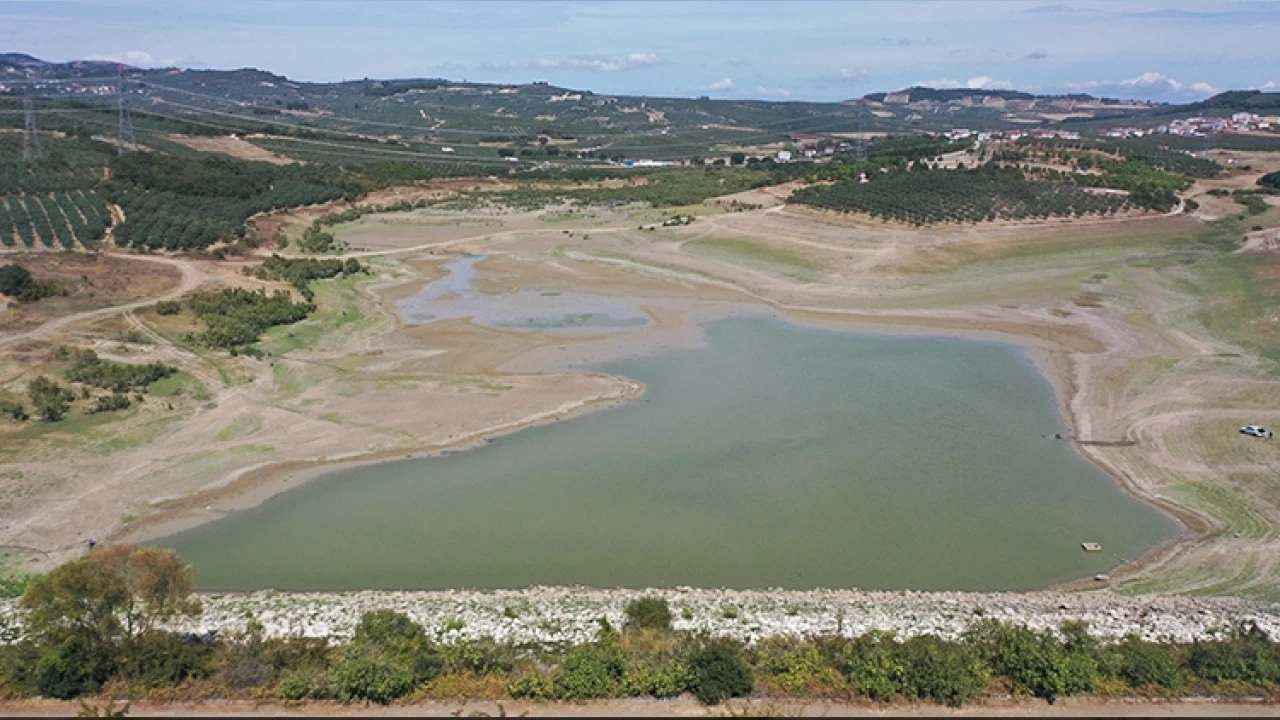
455, 296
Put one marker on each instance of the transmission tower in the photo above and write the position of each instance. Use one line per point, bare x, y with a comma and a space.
860, 143
124, 136
30, 140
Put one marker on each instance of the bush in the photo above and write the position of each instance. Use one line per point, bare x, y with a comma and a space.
168, 307
14, 279
651, 613
15, 410
110, 403
159, 658
306, 684
50, 400
588, 672
1142, 664
532, 687
1037, 664
942, 671
875, 666
720, 672
1246, 657
366, 677
67, 670
393, 635
659, 678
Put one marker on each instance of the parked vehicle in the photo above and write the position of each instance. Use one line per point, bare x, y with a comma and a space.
1255, 431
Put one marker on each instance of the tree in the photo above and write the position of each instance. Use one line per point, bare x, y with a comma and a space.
648, 613
737, 158
84, 612
721, 672
14, 279
51, 400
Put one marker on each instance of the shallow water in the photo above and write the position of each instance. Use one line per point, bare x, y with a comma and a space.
454, 296
777, 456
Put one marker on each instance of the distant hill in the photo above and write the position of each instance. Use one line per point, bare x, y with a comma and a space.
474, 121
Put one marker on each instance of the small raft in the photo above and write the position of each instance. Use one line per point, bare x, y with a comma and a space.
1091, 547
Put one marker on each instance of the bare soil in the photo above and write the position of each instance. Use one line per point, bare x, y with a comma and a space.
1151, 395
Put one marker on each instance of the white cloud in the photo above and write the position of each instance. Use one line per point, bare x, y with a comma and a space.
763, 91
944, 84
723, 84
982, 82
589, 62
851, 75
1269, 85
1147, 86
142, 58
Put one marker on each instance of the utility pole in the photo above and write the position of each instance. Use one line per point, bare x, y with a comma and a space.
124, 136
30, 140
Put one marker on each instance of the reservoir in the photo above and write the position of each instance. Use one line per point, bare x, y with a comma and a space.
775, 456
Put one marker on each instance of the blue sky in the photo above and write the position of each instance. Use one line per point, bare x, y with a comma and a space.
1174, 51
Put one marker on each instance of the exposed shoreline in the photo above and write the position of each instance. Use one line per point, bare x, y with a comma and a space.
552, 615
1050, 349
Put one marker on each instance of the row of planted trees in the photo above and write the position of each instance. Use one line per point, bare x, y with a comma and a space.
99, 625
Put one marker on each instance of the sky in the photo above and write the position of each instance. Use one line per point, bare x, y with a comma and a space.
795, 50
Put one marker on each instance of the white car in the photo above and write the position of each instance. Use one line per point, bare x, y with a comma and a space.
1254, 430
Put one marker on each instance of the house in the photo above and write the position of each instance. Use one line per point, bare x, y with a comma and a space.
784, 156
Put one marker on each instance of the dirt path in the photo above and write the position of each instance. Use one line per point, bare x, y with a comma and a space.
192, 277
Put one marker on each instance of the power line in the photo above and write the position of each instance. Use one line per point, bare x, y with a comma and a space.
30, 139
124, 136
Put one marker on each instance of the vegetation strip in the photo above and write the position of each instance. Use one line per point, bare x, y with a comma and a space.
103, 624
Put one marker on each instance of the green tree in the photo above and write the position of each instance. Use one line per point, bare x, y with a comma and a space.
50, 400
648, 613
721, 672
14, 279
737, 158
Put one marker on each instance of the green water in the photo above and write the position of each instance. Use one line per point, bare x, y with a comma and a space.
777, 456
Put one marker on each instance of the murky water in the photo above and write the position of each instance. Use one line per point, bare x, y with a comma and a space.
777, 456
454, 296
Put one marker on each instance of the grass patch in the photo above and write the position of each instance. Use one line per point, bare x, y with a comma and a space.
337, 308
757, 254
240, 427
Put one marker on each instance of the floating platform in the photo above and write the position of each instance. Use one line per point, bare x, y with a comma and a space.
1091, 547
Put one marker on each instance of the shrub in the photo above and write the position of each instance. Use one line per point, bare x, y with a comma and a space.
168, 307
587, 672
1037, 664
364, 676
795, 667
720, 672
1245, 657
50, 400
532, 687
1143, 664
14, 279
68, 670
110, 403
159, 658
15, 410
393, 634
942, 671
650, 612
875, 666
659, 678
306, 684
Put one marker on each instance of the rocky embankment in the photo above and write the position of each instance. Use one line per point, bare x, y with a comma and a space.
555, 615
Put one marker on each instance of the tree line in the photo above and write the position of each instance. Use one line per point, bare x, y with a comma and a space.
925, 196
100, 624
51, 401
